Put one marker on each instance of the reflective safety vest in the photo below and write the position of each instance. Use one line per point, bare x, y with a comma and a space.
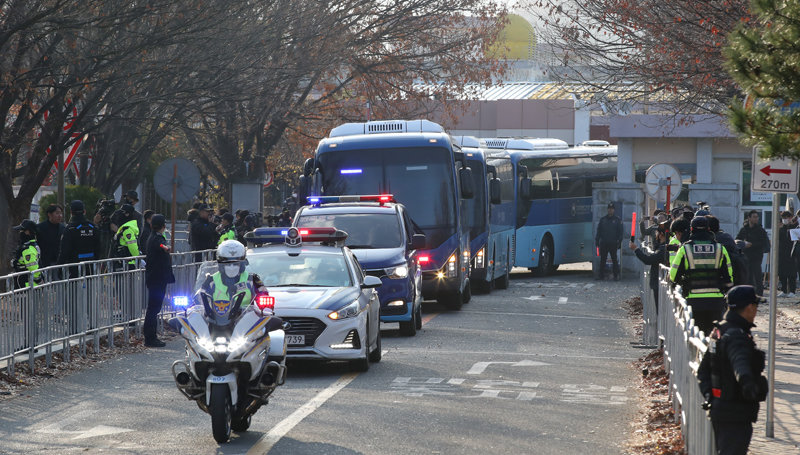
673, 241
702, 261
127, 238
229, 234
28, 260
222, 297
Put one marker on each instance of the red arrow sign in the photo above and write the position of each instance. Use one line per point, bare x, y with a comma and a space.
768, 170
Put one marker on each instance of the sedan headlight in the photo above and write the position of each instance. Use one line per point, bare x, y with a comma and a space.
349, 311
400, 271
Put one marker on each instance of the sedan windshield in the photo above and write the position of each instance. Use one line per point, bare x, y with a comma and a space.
304, 270
364, 230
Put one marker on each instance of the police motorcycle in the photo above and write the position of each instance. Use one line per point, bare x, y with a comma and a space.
235, 353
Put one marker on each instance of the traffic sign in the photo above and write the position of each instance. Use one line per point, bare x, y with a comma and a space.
268, 179
773, 175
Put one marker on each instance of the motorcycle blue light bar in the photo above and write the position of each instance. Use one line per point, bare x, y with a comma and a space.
350, 171
180, 300
318, 200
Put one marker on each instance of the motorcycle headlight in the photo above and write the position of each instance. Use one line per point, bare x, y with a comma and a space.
206, 343
400, 271
349, 311
236, 344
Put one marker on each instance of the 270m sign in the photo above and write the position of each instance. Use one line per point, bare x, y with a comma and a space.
773, 175
768, 184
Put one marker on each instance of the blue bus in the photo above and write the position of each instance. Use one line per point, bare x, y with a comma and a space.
489, 218
554, 220
415, 161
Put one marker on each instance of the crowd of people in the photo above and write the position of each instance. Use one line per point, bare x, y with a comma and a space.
721, 279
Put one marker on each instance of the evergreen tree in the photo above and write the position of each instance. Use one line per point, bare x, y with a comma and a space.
764, 58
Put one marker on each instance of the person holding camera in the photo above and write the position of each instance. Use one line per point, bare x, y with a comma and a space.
730, 373
104, 210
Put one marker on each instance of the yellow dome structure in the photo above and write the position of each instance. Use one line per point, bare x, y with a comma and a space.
516, 41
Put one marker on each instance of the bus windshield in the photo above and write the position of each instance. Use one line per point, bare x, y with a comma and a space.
475, 213
420, 178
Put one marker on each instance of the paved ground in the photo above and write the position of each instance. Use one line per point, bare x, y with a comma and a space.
543, 367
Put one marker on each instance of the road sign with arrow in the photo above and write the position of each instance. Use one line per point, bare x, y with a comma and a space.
773, 175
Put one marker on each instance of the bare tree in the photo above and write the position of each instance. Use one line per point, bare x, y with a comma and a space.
663, 53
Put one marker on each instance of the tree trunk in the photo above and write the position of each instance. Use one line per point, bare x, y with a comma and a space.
17, 211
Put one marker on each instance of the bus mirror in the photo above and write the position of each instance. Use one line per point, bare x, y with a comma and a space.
525, 189
302, 190
418, 241
308, 167
465, 180
495, 191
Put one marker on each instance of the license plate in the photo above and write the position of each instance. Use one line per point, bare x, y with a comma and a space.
295, 340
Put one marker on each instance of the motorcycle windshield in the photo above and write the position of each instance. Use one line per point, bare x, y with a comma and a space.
220, 312
206, 269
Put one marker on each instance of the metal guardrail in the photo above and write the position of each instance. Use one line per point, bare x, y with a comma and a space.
684, 346
77, 303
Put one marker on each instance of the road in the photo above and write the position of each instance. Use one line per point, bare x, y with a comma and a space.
543, 367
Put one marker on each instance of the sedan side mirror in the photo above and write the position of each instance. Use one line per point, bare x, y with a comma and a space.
418, 241
371, 282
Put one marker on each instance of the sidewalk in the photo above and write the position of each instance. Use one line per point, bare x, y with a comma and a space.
787, 381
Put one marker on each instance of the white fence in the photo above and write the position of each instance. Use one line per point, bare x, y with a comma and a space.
671, 325
80, 302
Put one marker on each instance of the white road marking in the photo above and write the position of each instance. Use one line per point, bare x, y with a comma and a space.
101, 430
562, 300
533, 297
480, 367
588, 285
263, 445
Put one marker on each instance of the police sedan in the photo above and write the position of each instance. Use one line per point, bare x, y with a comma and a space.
321, 290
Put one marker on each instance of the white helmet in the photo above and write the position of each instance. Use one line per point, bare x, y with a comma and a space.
231, 258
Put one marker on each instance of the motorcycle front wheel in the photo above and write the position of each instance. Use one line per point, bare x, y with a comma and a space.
220, 410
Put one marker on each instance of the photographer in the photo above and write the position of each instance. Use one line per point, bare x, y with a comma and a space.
104, 209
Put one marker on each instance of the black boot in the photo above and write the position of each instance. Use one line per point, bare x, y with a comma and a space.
154, 343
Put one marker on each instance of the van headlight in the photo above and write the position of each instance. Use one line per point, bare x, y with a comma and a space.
349, 311
400, 271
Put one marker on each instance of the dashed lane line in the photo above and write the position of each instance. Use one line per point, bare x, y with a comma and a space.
266, 442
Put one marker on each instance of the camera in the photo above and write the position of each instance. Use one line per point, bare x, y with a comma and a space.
105, 207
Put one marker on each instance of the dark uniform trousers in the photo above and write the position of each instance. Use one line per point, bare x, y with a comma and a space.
608, 249
155, 299
732, 438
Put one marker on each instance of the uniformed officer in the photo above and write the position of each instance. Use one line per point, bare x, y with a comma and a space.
81, 239
703, 269
730, 373
158, 274
26, 258
126, 239
227, 230
609, 239
680, 233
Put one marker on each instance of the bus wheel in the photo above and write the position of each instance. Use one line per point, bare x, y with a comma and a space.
484, 287
466, 295
545, 257
502, 282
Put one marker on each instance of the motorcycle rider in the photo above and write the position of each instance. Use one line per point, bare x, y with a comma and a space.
232, 278
26, 258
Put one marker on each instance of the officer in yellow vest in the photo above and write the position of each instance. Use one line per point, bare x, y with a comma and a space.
126, 239
26, 258
680, 231
226, 231
703, 269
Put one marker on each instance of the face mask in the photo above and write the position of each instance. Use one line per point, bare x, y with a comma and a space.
231, 270
786, 220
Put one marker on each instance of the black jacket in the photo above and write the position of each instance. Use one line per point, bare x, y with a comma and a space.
48, 235
80, 242
144, 236
609, 231
758, 237
204, 235
653, 259
735, 360
785, 262
158, 262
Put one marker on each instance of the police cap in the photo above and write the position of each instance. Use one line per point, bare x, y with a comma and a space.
132, 195
76, 206
741, 296
611, 205
128, 209
26, 225
227, 217
158, 221
699, 222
